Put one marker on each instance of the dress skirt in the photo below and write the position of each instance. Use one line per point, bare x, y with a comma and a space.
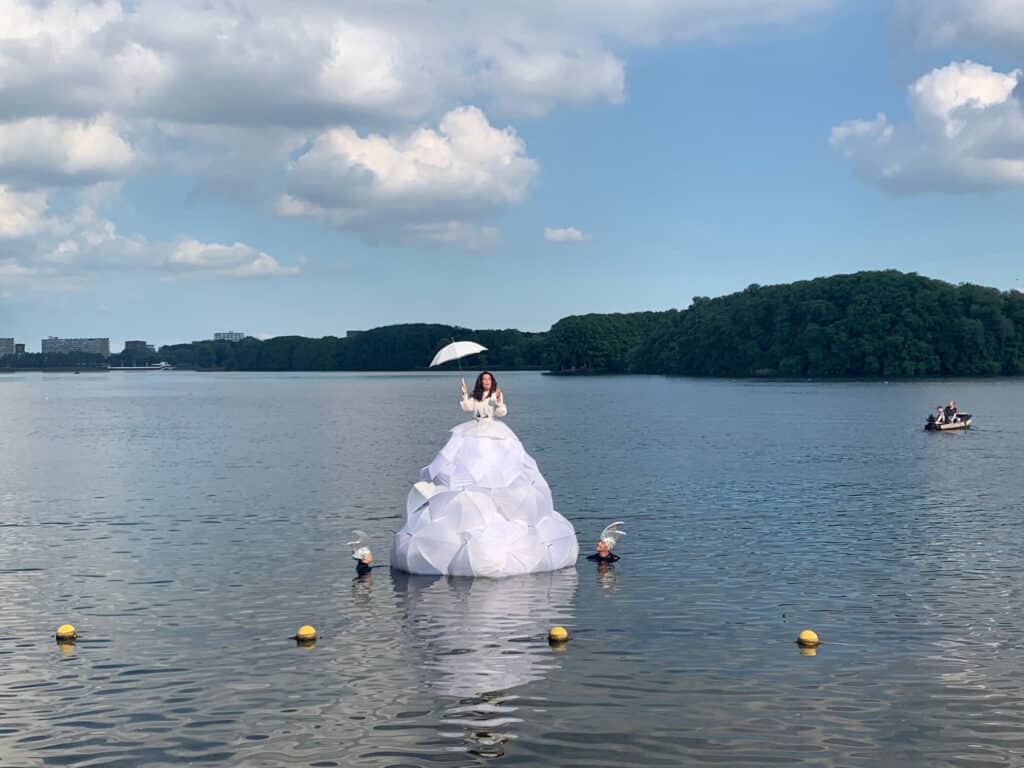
482, 508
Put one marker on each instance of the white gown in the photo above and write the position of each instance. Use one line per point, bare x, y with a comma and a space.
482, 508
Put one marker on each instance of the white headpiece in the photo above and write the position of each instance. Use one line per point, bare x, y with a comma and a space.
361, 546
612, 533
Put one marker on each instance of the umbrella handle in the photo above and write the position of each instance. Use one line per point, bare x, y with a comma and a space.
458, 362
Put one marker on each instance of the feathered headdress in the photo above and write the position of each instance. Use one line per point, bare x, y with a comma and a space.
361, 546
612, 533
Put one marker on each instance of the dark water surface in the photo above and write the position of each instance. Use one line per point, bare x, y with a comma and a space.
188, 523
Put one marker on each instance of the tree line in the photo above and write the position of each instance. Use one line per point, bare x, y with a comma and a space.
391, 348
54, 360
868, 324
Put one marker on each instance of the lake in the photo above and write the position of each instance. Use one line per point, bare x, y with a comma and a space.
187, 524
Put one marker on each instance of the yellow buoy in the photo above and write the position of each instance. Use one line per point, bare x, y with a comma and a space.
808, 638
66, 633
558, 634
306, 634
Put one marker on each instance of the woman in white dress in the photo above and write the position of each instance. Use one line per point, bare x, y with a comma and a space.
487, 400
482, 507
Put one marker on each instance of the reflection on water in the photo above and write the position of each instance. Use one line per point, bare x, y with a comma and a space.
473, 634
606, 576
479, 639
187, 524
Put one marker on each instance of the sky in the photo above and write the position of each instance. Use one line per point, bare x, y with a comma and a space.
173, 169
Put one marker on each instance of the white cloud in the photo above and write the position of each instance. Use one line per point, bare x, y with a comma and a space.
966, 131
945, 93
229, 91
531, 83
997, 23
191, 257
45, 249
322, 62
564, 235
436, 186
45, 150
21, 213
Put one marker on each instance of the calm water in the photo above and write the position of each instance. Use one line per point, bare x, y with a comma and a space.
187, 524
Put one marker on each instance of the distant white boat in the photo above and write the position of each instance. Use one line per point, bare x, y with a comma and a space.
161, 366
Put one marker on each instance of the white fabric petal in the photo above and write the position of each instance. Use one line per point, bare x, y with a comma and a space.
419, 495
482, 508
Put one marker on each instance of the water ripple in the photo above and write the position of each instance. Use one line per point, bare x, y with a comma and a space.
188, 524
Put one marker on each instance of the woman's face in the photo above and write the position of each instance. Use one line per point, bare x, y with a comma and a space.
602, 548
485, 382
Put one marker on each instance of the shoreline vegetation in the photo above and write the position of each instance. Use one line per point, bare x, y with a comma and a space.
866, 325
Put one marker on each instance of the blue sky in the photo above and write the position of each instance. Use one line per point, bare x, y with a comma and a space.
347, 165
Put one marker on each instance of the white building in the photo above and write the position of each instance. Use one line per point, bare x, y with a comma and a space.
228, 336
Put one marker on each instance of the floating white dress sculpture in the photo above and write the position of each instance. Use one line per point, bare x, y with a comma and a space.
482, 508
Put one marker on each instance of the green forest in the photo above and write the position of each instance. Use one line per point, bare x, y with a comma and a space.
54, 360
391, 348
868, 324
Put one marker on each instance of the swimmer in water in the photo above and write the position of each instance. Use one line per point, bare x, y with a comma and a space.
361, 553
606, 543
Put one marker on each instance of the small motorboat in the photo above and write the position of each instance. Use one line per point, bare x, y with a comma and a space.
962, 421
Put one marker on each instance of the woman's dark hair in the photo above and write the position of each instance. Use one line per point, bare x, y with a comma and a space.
478, 388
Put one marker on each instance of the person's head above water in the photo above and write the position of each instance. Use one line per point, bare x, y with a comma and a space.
361, 548
608, 539
485, 386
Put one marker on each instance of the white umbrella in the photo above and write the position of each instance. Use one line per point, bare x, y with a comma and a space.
420, 495
456, 351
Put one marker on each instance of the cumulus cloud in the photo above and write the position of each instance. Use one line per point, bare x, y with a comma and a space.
46, 150
319, 62
430, 185
191, 257
21, 213
47, 249
230, 92
966, 131
564, 235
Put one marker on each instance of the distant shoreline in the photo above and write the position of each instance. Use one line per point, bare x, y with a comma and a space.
864, 326
571, 374
54, 370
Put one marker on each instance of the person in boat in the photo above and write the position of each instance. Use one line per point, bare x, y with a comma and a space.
487, 401
951, 417
940, 415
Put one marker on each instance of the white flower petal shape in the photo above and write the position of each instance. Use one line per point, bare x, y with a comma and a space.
482, 508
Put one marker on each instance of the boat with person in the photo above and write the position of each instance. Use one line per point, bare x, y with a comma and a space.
961, 421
